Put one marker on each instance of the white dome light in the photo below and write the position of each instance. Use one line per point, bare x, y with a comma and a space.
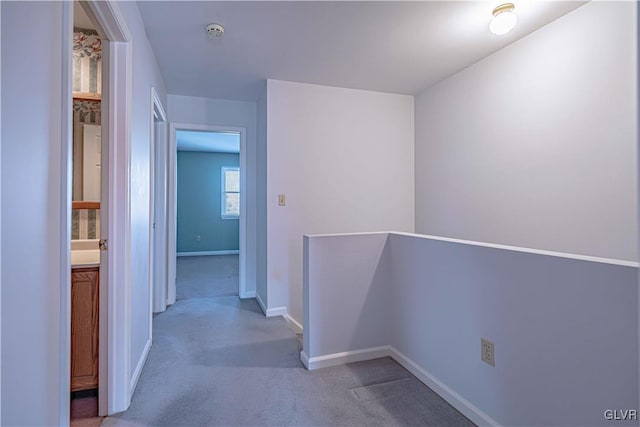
504, 19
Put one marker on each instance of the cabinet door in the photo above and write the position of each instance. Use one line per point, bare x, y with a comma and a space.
84, 328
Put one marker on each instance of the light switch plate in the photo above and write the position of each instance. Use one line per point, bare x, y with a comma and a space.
281, 200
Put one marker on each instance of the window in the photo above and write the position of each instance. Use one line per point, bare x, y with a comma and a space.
230, 192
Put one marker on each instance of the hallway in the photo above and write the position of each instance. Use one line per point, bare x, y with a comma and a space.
218, 361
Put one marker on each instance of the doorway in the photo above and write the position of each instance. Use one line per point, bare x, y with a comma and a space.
87, 197
113, 322
222, 218
158, 232
207, 214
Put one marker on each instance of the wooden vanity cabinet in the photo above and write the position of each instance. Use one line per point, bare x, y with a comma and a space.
84, 327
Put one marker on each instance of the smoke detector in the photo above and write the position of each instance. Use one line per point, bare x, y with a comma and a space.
215, 31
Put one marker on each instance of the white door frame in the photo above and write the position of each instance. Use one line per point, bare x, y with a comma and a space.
172, 204
115, 322
66, 179
158, 170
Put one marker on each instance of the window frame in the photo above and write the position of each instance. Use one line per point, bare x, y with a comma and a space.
223, 192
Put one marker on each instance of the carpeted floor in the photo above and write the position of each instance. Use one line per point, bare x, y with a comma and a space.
206, 276
219, 361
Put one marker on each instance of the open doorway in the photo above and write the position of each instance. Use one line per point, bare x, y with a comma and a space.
100, 97
87, 196
207, 214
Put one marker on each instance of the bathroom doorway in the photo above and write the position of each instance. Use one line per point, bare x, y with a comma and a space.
87, 200
102, 121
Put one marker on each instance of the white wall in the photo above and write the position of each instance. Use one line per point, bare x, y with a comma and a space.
218, 112
535, 145
31, 211
146, 74
346, 293
565, 329
0, 222
343, 158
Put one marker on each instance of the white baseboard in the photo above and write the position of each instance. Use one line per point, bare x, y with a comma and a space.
468, 409
263, 307
203, 253
276, 311
347, 357
248, 294
136, 374
293, 324
304, 359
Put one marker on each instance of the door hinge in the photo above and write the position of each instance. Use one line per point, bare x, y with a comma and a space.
103, 244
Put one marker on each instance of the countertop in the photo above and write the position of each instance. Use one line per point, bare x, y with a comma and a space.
85, 258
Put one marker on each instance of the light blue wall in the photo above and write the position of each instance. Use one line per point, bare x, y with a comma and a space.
199, 186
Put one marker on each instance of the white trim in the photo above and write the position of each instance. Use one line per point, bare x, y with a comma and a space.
261, 303
66, 180
136, 374
248, 294
0, 220
172, 208
467, 409
119, 230
578, 257
242, 232
293, 324
206, 253
304, 358
151, 265
316, 236
111, 23
158, 208
156, 104
345, 357
276, 311
637, 140
172, 202
115, 304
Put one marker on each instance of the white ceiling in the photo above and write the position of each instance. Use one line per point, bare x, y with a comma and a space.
218, 142
394, 46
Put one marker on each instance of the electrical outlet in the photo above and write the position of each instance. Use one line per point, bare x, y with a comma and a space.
487, 352
198, 238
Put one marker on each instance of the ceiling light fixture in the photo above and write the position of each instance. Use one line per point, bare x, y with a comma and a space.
215, 31
504, 19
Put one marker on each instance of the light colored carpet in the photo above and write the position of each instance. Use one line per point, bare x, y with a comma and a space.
206, 276
219, 361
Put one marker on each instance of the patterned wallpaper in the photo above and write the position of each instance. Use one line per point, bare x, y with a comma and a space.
87, 61
87, 78
85, 224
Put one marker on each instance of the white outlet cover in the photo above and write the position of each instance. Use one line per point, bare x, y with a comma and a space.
487, 352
